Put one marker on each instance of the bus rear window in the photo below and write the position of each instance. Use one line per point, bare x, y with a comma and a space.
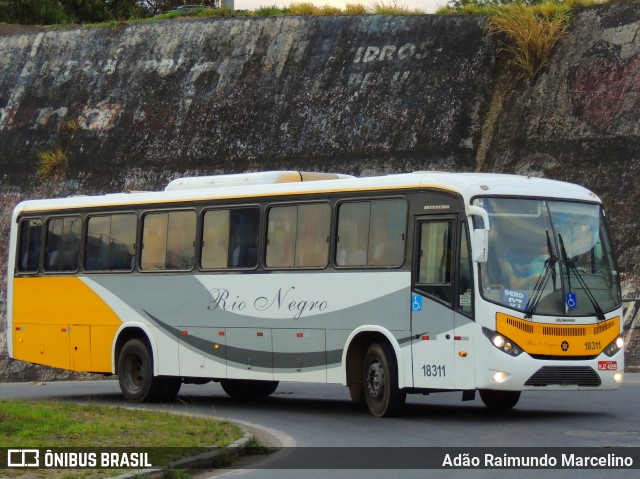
30, 246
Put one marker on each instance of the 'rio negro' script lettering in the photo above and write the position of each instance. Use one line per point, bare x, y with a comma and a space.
281, 300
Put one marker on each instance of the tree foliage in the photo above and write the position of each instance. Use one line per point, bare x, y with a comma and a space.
48, 12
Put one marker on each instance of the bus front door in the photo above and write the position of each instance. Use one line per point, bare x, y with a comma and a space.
432, 314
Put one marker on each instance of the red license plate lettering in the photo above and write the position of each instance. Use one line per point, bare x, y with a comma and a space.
607, 365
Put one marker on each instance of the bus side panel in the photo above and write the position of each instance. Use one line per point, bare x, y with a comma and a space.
53, 319
102, 338
299, 355
80, 347
203, 352
46, 344
336, 341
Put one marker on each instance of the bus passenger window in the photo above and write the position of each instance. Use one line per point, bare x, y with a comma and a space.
297, 236
230, 238
168, 241
110, 243
62, 244
353, 234
372, 233
30, 246
387, 232
281, 236
312, 240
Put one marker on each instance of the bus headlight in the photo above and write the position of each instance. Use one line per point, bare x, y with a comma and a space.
502, 343
615, 346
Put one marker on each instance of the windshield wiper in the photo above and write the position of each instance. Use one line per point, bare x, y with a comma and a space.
549, 270
571, 267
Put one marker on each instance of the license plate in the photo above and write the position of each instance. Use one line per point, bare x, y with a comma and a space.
607, 365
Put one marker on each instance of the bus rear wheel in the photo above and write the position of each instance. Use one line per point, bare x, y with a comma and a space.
499, 400
380, 381
135, 373
248, 389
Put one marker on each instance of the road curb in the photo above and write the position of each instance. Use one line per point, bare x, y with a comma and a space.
208, 460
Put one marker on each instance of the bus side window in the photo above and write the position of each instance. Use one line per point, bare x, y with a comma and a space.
298, 236
353, 233
435, 259
62, 244
243, 237
30, 246
312, 240
168, 240
387, 232
372, 233
230, 238
110, 242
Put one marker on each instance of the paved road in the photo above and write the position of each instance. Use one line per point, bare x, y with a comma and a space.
322, 415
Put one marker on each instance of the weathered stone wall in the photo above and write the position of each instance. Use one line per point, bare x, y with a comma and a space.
134, 106
367, 94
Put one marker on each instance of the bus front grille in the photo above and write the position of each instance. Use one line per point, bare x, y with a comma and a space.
564, 376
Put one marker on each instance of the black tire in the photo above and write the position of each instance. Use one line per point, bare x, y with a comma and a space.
135, 373
171, 388
499, 400
380, 381
248, 389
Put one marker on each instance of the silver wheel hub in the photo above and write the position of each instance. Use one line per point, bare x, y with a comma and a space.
375, 380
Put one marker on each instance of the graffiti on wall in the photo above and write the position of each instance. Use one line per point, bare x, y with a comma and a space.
605, 90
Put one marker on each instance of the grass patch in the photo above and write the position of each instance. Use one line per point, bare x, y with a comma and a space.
488, 7
59, 424
528, 34
392, 8
52, 164
380, 7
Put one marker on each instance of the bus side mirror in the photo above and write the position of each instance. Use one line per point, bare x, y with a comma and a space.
479, 236
480, 245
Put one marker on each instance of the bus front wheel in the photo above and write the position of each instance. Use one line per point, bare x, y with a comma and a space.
499, 400
135, 373
380, 381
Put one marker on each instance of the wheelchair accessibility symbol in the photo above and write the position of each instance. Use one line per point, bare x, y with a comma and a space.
416, 303
571, 300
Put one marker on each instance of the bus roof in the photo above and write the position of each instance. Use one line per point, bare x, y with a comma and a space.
467, 185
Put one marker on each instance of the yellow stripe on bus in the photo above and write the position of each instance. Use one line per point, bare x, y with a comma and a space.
62, 322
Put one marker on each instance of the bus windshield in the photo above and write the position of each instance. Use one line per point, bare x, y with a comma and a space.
549, 257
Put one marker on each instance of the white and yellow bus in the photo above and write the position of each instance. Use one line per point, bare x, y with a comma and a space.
411, 283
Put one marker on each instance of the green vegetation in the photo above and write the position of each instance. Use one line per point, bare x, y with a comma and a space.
394, 8
58, 424
101, 13
489, 7
528, 34
52, 164
527, 30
